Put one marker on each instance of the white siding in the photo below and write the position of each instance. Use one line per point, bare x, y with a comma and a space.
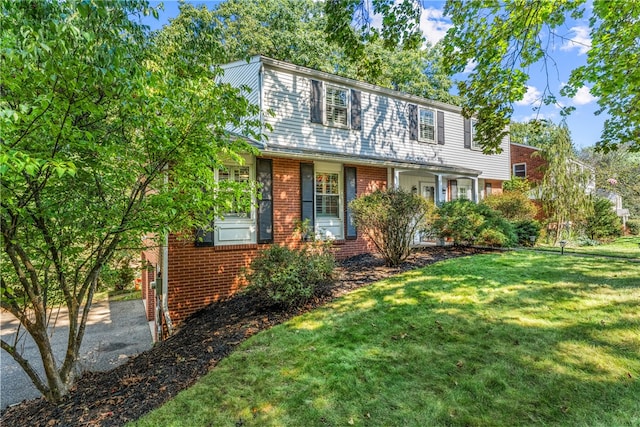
243, 74
385, 129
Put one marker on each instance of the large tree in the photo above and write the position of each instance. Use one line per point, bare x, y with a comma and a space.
619, 172
104, 133
503, 40
563, 190
299, 32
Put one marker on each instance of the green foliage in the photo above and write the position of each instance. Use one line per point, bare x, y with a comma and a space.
563, 187
118, 273
536, 133
603, 223
513, 205
290, 276
516, 184
525, 229
391, 219
105, 128
465, 223
617, 172
633, 225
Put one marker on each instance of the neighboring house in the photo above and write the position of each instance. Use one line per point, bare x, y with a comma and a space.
616, 204
332, 140
527, 162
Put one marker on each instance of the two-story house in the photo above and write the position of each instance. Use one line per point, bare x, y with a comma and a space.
332, 139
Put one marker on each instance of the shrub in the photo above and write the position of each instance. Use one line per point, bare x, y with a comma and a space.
525, 229
290, 276
391, 219
603, 223
633, 225
517, 184
465, 222
514, 206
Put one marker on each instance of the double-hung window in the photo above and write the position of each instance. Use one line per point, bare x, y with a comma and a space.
475, 143
327, 195
520, 170
241, 201
427, 125
337, 106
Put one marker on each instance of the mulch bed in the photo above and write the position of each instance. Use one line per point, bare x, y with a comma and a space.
148, 380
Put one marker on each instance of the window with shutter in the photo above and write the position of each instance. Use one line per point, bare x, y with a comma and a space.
337, 106
427, 130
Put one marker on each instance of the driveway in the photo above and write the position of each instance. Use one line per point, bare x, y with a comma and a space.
115, 331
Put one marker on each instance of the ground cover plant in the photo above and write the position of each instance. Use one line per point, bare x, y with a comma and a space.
502, 339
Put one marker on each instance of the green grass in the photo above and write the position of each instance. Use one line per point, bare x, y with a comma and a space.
623, 247
493, 340
113, 295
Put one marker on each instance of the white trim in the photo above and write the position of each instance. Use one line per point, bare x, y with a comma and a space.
434, 124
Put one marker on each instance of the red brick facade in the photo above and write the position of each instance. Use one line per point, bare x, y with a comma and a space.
534, 162
198, 276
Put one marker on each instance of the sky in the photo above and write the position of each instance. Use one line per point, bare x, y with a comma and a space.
567, 53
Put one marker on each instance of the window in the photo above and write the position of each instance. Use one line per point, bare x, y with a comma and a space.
241, 203
337, 104
327, 195
427, 125
475, 144
520, 170
488, 188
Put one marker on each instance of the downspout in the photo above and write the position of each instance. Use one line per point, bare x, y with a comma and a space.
165, 284
165, 275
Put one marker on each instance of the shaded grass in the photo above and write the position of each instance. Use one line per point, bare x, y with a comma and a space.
491, 340
623, 247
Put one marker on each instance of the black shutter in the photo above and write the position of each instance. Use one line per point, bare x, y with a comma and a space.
413, 122
350, 194
441, 127
467, 133
307, 181
204, 237
264, 176
356, 110
317, 111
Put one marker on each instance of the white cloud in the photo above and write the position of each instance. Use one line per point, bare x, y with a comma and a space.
579, 40
471, 65
532, 96
433, 24
583, 96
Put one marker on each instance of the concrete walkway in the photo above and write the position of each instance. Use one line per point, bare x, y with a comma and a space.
114, 332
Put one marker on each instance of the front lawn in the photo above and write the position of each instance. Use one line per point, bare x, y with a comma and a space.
490, 340
624, 247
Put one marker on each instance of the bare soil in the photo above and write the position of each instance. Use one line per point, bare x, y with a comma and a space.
150, 379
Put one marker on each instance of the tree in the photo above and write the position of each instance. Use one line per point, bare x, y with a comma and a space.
536, 133
104, 134
390, 219
563, 190
603, 221
618, 172
502, 40
298, 31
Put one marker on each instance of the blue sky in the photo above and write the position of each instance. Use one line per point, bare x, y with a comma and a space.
567, 53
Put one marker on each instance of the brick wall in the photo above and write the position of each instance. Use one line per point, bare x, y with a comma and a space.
524, 154
201, 275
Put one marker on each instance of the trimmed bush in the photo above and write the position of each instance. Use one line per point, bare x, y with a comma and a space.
525, 230
465, 223
290, 277
514, 206
603, 223
633, 225
391, 219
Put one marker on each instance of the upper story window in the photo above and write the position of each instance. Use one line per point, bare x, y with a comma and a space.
337, 106
475, 144
327, 195
520, 170
241, 200
427, 126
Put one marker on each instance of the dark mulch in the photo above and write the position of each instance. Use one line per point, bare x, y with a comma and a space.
148, 380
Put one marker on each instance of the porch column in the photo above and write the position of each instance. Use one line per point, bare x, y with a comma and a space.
441, 191
396, 178
474, 189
